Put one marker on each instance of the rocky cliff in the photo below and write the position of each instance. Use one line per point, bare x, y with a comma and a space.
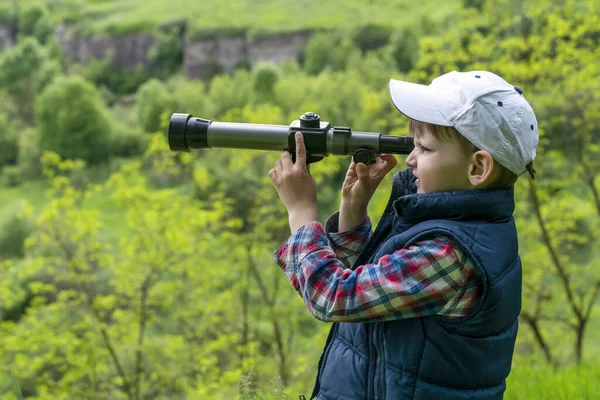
5, 35
199, 56
126, 51
230, 52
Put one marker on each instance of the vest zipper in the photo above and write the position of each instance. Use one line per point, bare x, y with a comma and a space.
325, 354
376, 373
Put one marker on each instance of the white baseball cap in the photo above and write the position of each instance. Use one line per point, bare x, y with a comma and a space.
491, 113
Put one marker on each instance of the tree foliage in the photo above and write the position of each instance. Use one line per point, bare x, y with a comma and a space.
153, 102
160, 283
73, 121
25, 70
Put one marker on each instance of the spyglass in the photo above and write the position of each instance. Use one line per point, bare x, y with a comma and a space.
188, 133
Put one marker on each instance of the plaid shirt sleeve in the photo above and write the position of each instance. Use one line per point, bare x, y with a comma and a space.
347, 245
430, 277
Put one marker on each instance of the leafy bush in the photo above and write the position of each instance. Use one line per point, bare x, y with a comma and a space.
118, 80
36, 21
25, 70
316, 52
153, 101
265, 76
73, 120
8, 141
166, 53
12, 175
371, 36
190, 95
128, 143
29, 156
404, 48
329, 50
13, 232
227, 92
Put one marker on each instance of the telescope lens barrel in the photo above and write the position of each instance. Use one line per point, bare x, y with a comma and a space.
187, 133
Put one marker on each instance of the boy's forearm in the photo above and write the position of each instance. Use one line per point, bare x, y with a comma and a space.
351, 216
299, 218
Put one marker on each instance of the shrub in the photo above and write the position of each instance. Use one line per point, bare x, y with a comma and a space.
13, 232
29, 154
371, 36
166, 53
227, 92
190, 96
329, 50
36, 21
8, 141
404, 48
24, 71
316, 52
128, 143
118, 80
73, 121
153, 100
265, 76
12, 175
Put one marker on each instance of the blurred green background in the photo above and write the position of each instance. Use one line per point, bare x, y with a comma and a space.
128, 271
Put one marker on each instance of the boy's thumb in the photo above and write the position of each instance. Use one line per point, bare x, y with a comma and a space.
361, 170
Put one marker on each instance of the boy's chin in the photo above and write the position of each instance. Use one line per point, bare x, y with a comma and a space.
418, 184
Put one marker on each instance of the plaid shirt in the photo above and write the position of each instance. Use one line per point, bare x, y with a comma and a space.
430, 277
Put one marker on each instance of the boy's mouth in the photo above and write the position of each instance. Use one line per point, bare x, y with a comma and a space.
417, 180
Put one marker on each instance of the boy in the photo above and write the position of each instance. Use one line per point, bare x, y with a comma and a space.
425, 307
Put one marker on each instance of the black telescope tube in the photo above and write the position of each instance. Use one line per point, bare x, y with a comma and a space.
396, 144
188, 133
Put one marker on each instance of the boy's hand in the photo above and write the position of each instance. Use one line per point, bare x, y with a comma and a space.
294, 184
362, 180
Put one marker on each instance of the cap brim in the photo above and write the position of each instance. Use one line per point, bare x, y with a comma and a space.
416, 102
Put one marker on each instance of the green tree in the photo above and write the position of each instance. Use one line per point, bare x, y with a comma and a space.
73, 121
35, 21
549, 49
25, 70
265, 76
154, 103
9, 133
166, 53
179, 297
404, 49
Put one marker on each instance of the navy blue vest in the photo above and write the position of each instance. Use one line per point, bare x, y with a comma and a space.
434, 357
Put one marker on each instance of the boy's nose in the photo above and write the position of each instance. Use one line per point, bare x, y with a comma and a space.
410, 160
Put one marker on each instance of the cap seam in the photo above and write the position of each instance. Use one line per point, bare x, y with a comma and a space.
469, 103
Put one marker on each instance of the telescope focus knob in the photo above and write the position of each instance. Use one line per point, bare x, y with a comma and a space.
310, 120
364, 156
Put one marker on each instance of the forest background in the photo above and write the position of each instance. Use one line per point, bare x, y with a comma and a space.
128, 271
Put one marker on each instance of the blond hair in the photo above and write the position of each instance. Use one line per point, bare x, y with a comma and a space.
502, 177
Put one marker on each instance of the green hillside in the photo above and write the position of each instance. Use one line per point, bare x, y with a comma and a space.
278, 15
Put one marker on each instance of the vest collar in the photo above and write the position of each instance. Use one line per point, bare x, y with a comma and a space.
491, 205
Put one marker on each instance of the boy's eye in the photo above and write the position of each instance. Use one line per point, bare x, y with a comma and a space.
423, 148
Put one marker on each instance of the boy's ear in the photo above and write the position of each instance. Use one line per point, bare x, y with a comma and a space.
481, 169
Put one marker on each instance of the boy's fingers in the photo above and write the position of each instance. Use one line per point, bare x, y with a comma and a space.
286, 159
390, 161
300, 150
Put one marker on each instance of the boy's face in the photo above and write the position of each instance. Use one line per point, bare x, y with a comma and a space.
439, 165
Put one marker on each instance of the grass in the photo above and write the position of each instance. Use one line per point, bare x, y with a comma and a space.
12, 197
262, 15
527, 382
